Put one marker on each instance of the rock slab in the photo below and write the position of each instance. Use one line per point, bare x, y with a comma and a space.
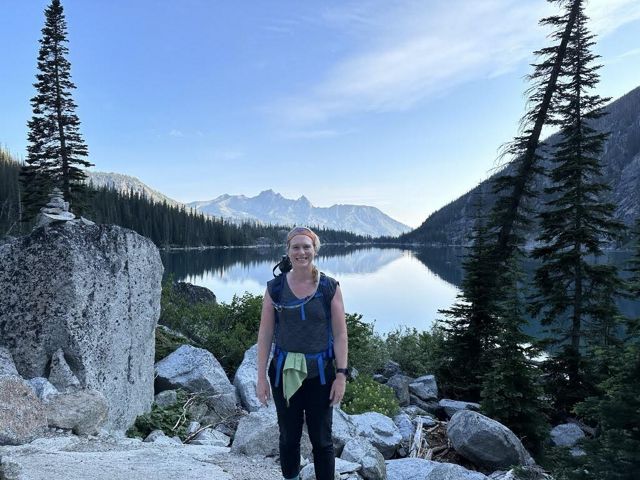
94, 292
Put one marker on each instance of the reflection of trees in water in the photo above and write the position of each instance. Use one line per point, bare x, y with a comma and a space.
445, 262
183, 263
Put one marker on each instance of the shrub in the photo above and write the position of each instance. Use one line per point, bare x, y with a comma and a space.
172, 419
418, 353
364, 394
227, 330
167, 342
367, 352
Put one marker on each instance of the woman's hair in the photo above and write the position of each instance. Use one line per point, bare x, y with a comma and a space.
314, 238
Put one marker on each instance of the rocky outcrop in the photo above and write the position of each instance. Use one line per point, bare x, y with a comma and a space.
485, 442
343, 429
89, 458
93, 292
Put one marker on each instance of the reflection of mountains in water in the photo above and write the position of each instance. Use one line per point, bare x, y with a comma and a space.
337, 259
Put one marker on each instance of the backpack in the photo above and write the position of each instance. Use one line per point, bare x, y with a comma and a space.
326, 291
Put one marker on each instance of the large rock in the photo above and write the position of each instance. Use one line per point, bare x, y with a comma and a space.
451, 471
22, 416
342, 430
425, 388
197, 370
566, 435
245, 381
400, 384
94, 292
409, 468
360, 451
379, 430
83, 411
258, 434
486, 442
193, 294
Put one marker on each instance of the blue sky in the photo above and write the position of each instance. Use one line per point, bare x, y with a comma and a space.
397, 104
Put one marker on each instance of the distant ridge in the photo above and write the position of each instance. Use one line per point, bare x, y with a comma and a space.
271, 207
125, 184
452, 224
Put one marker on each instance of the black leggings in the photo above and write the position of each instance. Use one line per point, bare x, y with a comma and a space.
310, 402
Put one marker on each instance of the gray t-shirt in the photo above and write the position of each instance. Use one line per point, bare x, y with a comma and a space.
310, 335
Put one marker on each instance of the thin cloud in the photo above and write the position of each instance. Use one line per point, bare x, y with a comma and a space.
421, 49
176, 133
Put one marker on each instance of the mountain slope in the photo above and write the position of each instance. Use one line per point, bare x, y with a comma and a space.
452, 223
271, 207
125, 184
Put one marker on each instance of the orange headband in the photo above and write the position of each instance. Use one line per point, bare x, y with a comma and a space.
302, 231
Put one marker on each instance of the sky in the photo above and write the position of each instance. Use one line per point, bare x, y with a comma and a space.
401, 105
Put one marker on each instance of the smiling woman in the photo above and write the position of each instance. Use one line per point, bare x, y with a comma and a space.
303, 314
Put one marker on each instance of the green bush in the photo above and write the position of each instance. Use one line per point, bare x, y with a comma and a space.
367, 352
418, 353
167, 343
364, 394
172, 419
227, 330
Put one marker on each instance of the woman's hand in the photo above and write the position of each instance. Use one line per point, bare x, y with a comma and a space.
262, 390
337, 389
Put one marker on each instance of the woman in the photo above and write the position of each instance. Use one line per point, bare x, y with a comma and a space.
303, 313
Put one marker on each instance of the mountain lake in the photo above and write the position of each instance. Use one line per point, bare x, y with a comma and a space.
391, 287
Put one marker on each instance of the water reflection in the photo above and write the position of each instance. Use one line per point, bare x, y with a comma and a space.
389, 286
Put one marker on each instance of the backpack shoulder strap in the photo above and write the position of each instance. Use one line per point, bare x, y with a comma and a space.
274, 287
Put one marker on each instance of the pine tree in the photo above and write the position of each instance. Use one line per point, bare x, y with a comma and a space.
469, 324
576, 223
615, 408
56, 149
513, 186
511, 392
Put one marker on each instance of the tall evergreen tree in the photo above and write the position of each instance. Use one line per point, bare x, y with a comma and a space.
469, 325
56, 150
511, 392
575, 225
513, 187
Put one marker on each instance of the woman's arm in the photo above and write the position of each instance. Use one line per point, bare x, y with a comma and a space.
265, 336
340, 345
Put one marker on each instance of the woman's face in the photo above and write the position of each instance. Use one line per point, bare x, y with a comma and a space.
301, 251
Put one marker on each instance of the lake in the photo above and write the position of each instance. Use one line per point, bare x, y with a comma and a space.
390, 287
